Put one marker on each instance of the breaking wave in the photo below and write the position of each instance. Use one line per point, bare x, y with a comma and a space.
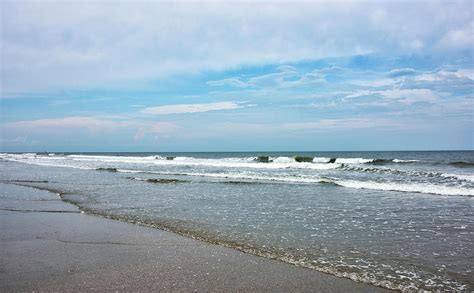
408, 187
231, 161
462, 164
358, 173
417, 187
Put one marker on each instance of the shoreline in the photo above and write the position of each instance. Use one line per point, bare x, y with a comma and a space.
50, 245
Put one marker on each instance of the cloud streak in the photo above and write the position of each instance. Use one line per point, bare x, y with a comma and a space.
192, 108
69, 123
284, 77
85, 126
405, 96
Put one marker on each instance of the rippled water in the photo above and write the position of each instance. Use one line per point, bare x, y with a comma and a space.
401, 220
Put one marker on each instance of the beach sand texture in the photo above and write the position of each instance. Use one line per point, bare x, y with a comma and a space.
49, 245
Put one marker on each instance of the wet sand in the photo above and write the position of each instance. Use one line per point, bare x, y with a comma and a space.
49, 245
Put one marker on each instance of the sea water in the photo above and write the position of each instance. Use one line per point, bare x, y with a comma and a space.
399, 220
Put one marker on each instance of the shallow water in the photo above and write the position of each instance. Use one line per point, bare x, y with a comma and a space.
401, 220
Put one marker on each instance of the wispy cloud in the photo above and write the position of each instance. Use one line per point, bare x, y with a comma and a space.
192, 108
283, 77
83, 125
14, 140
349, 123
69, 123
155, 130
234, 82
398, 72
443, 75
317, 125
405, 96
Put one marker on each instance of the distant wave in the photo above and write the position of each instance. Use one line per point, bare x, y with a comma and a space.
250, 162
462, 164
261, 162
238, 161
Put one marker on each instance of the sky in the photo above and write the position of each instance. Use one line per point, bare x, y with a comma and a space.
236, 76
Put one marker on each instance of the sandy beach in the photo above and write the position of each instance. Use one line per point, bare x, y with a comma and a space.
49, 245
236, 146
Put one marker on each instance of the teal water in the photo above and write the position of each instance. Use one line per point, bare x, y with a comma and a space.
400, 220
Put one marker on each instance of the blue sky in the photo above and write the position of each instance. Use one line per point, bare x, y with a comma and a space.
236, 76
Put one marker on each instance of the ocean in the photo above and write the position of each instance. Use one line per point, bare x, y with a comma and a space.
398, 220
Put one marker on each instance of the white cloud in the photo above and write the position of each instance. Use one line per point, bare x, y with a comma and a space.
155, 130
83, 125
438, 80
284, 77
401, 72
235, 82
335, 124
274, 79
443, 75
381, 82
69, 123
323, 125
462, 38
405, 96
15, 140
363, 93
63, 44
410, 96
192, 108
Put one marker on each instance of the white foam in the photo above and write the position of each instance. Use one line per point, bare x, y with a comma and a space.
404, 161
20, 156
130, 171
182, 158
321, 160
467, 177
246, 176
353, 160
282, 159
407, 187
115, 159
318, 163
245, 162
57, 158
251, 165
